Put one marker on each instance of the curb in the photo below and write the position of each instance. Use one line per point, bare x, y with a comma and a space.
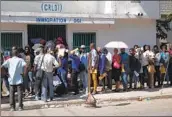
59, 104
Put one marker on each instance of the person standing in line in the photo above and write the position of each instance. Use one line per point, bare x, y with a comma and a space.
125, 68
84, 73
93, 66
49, 64
134, 66
157, 66
109, 68
75, 70
145, 61
37, 65
28, 79
116, 69
102, 68
15, 67
170, 69
163, 63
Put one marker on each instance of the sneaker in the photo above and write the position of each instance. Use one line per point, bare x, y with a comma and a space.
12, 109
37, 98
20, 109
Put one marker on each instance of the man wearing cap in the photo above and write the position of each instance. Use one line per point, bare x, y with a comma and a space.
15, 67
83, 73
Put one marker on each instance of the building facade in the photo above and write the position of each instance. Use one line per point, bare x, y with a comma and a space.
79, 22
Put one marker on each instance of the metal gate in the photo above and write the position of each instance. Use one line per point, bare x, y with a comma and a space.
47, 32
83, 39
9, 39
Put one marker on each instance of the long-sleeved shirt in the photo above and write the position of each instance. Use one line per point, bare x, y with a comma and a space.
75, 62
134, 64
102, 63
64, 65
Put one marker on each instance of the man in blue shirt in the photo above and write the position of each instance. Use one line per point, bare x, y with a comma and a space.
75, 70
15, 67
84, 73
125, 68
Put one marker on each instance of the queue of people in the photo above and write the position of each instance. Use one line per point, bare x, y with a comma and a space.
38, 74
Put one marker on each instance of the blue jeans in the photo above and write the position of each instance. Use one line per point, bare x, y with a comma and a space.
63, 75
84, 77
133, 78
124, 77
47, 81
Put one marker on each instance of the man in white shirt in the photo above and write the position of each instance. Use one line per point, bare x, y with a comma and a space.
15, 66
37, 65
146, 56
48, 65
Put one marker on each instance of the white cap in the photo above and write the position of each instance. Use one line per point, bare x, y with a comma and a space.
82, 46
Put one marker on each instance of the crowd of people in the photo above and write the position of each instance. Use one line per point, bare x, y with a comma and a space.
53, 69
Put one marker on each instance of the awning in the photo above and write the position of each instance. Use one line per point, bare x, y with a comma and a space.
56, 18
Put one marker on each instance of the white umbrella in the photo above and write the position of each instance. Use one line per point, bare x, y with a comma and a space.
116, 44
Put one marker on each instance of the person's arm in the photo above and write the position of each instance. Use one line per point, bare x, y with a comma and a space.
25, 67
103, 64
56, 64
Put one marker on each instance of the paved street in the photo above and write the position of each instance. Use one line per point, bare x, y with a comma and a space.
159, 107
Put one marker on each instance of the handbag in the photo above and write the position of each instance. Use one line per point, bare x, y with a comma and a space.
40, 72
116, 65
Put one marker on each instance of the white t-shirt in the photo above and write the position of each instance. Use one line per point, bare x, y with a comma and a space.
38, 60
145, 56
48, 63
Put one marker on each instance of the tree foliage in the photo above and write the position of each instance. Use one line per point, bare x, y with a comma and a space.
163, 26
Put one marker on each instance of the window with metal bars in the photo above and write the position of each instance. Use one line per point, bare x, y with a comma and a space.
83, 38
9, 39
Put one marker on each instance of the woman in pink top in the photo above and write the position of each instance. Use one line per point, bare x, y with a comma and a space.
116, 68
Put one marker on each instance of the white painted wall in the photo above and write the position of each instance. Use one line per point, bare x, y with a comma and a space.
130, 32
16, 27
149, 8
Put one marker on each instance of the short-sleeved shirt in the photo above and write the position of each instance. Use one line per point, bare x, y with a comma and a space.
15, 67
48, 62
38, 60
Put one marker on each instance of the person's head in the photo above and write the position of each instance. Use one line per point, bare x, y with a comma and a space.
122, 50
136, 46
14, 51
115, 51
147, 47
104, 51
132, 51
82, 48
92, 46
99, 49
156, 48
27, 49
163, 48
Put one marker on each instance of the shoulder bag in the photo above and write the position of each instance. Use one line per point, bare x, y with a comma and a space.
40, 72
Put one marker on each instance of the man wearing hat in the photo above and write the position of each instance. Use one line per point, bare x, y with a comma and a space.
83, 72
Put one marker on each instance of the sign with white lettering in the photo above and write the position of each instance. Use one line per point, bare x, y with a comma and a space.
51, 7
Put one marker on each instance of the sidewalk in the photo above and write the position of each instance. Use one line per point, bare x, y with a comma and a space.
69, 100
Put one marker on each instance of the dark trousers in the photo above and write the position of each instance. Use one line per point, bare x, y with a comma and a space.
157, 76
103, 82
109, 79
12, 95
145, 73
142, 79
38, 84
75, 81
170, 78
6, 82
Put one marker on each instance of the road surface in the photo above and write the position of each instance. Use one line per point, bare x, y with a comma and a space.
159, 107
